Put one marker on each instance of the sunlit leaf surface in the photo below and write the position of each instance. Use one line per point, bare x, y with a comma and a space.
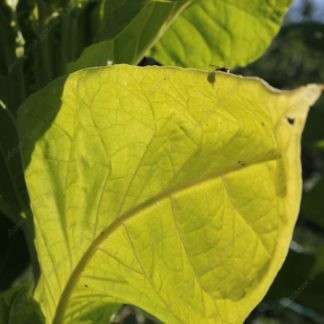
174, 190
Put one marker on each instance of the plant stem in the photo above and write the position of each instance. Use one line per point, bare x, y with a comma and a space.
44, 42
65, 33
74, 35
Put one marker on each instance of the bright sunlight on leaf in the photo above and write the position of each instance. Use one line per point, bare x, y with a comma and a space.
174, 190
225, 33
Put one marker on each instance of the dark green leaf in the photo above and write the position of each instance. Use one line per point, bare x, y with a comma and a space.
18, 307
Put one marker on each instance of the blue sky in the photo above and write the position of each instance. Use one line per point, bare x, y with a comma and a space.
295, 13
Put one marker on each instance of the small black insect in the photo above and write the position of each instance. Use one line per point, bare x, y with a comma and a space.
291, 121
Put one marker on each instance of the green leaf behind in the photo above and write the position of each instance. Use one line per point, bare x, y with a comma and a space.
13, 192
223, 33
18, 307
131, 43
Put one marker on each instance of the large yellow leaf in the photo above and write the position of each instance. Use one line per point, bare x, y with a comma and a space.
175, 190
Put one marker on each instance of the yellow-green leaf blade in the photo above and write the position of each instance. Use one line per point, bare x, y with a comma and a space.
223, 33
173, 190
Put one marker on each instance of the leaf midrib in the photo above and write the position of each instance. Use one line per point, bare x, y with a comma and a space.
75, 276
